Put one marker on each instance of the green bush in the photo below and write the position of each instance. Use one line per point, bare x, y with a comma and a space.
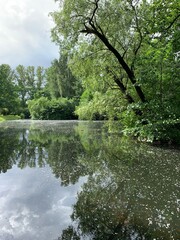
157, 123
100, 106
54, 109
4, 111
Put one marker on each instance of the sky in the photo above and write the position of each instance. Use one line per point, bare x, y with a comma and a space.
25, 32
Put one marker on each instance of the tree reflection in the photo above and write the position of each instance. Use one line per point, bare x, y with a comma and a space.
63, 158
132, 193
8, 143
62, 153
60, 149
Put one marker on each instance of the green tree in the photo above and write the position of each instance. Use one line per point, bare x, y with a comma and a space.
107, 42
30, 82
60, 80
21, 83
52, 109
40, 79
96, 20
70, 234
8, 94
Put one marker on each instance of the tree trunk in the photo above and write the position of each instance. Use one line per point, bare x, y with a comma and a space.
99, 33
121, 61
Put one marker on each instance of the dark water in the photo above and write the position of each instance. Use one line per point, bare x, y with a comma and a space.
73, 180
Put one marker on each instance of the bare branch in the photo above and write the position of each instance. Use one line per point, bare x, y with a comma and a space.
94, 11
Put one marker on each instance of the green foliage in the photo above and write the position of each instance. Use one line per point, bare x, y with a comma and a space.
60, 80
158, 122
4, 111
127, 45
37, 106
54, 109
9, 117
100, 106
9, 102
29, 81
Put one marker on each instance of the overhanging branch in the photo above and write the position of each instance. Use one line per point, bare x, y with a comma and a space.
173, 21
93, 28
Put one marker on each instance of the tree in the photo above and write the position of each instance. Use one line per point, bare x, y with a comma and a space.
40, 78
21, 83
60, 80
52, 109
106, 41
69, 233
95, 19
30, 82
8, 94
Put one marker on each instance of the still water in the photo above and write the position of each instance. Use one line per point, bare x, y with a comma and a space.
74, 180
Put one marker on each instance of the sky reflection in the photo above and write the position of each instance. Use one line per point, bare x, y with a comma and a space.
130, 190
33, 205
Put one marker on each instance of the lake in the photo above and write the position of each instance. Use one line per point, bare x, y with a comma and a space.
75, 180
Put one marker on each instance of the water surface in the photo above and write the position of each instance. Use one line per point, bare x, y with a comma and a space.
74, 180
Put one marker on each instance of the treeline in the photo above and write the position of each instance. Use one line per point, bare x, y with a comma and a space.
39, 93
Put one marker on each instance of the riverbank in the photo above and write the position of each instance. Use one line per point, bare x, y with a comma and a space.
9, 117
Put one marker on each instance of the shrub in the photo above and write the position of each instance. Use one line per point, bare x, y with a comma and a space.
54, 109
4, 111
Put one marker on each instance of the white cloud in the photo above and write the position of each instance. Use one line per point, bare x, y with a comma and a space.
25, 32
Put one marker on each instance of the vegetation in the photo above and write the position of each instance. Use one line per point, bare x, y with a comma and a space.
119, 60
39, 93
54, 109
9, 117
60, 80
124, 52
8, 94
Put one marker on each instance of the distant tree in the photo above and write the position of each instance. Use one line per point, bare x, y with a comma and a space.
29, 81
21, 82
8, 93
40, 78
60, 80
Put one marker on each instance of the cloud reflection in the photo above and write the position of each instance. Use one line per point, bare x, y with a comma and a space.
33, 205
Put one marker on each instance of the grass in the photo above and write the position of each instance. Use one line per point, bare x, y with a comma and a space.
9, 117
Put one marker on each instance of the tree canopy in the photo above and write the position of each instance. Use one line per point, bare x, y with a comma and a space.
8, 93
126, 46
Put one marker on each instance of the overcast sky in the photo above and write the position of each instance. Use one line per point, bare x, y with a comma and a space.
25, 32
